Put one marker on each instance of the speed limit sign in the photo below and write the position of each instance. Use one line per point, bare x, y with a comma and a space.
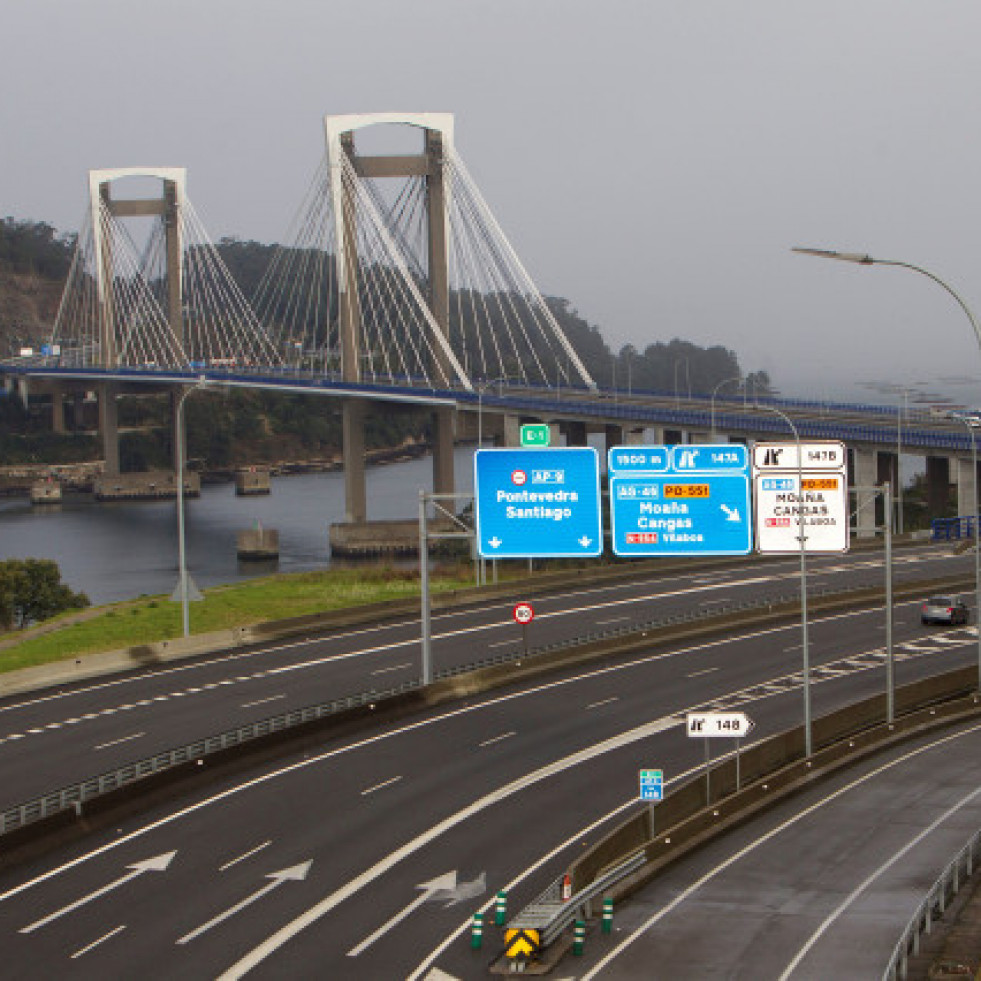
523, 613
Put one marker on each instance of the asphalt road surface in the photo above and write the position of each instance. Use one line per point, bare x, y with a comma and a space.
53, 739
366, 857
820, 887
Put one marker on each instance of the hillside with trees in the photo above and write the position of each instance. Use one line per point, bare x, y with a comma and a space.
241, 428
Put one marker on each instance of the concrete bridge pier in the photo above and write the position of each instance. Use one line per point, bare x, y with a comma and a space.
575, 433
443, 478
58, 410
352, 439
887, 469
966, 479
864, 473
938, 485
109, 427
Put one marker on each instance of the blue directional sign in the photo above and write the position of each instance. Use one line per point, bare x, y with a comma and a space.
538, 503
651, 784
699, 506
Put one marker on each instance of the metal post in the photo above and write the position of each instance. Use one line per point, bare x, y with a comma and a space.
181, 550
708, 773
890, 663
968, 422
181, 554
802, 538
738, 784
427, 655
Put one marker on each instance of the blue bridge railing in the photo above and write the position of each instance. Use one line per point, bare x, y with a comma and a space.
952, 529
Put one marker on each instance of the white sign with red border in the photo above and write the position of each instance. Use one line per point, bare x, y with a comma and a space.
523, 613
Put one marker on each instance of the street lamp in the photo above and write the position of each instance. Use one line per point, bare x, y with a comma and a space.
867, 260
972, 422
725, 381
801, 537
182, 583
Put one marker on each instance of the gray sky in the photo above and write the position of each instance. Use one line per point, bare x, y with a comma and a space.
651, 160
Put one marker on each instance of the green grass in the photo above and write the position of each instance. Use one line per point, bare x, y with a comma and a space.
154, 619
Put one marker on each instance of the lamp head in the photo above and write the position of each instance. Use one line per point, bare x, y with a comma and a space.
865, 260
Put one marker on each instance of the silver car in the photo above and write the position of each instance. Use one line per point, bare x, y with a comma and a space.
945, 609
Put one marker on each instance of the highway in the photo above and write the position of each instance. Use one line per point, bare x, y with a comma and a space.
51, 739
819, 887
366, 857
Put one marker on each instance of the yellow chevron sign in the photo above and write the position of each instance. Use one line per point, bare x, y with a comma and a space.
521, 943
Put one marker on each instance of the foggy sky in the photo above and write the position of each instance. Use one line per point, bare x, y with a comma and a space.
651, 161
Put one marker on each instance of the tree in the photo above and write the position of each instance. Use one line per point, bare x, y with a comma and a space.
32, 590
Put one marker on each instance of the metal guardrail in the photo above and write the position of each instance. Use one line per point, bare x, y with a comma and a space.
550, 914
75, 795
934, 903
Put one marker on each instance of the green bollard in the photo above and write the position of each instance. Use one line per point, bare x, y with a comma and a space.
477, 932
579, 937
607, 916
501, 910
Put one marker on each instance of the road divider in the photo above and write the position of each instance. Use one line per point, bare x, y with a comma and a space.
124, 786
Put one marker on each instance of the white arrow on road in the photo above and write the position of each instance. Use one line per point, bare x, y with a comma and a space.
732, 514
465, 890
293, 874
495, 542
443, 883
156, 864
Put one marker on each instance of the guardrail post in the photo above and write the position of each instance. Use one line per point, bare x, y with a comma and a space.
607, 926
579, 938
477, 932
501, 911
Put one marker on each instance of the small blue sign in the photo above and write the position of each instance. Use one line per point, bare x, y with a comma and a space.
651, 785
699, 506
538, 503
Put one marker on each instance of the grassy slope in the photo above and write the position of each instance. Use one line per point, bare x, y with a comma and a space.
155, 619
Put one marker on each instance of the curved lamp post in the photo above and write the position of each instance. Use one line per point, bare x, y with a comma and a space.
867, 260
971, 423
182, 583
725, 381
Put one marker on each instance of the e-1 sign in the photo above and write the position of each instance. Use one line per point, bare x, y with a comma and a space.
728, 725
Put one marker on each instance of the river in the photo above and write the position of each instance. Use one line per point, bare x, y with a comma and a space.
121, 550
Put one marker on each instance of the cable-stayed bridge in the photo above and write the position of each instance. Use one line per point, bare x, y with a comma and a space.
395, 284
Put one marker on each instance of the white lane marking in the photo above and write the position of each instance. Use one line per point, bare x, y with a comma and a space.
698, 674
759, 842
603, 623
410, 727
242, 858
497, 739
261, 701
868, 880
718, 599
795, 647
95, 943
379, 786
605, 701
504, 643
394, 667
122, 739
318, 910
